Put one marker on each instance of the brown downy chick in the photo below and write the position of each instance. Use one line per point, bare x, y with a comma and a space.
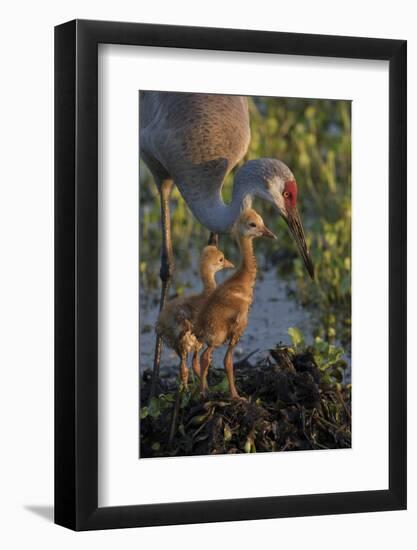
225, 314
175, 324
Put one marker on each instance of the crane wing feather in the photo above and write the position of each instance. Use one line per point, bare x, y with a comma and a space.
196, 138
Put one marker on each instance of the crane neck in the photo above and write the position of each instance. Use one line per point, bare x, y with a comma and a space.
218, 216
261, 177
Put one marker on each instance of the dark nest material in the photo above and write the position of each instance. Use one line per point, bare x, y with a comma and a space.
290, 406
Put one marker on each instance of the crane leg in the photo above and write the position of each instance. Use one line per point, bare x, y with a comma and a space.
166, 271
174, 419
214, 239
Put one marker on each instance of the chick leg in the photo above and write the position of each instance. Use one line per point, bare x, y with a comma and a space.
181, 389
184, 370
228, 365
196, 363
205, 363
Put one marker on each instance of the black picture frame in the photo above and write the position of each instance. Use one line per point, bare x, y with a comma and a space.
76, 271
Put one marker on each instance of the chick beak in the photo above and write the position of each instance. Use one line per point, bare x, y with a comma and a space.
295, 226
267, 233
228, 265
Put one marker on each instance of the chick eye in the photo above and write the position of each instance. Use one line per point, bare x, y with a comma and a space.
221, 259
286, 194
252, 224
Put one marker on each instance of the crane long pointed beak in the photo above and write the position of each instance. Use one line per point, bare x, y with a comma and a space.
295, 226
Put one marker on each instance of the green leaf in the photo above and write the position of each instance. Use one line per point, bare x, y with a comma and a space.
227, 434
222, 386
248, 445
154, 408
321, 345
199, 419
327, 379
296, 336
167, 398
185, 399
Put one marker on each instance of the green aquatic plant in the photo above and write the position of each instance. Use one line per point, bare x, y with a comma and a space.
328, 357
313, 137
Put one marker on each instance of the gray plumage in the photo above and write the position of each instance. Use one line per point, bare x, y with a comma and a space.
196, 140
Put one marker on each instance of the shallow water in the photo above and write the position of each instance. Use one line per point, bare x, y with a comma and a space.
272, 313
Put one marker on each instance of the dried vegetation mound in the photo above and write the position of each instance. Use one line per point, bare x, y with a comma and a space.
291, 404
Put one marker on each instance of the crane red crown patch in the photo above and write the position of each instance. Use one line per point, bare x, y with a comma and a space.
290, 188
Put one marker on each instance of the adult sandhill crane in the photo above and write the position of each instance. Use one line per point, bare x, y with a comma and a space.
194, 141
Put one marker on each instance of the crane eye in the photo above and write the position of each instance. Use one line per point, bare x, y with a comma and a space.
252, 224
286, 194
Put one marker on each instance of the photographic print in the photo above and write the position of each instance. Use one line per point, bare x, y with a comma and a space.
205, 271
244, 275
